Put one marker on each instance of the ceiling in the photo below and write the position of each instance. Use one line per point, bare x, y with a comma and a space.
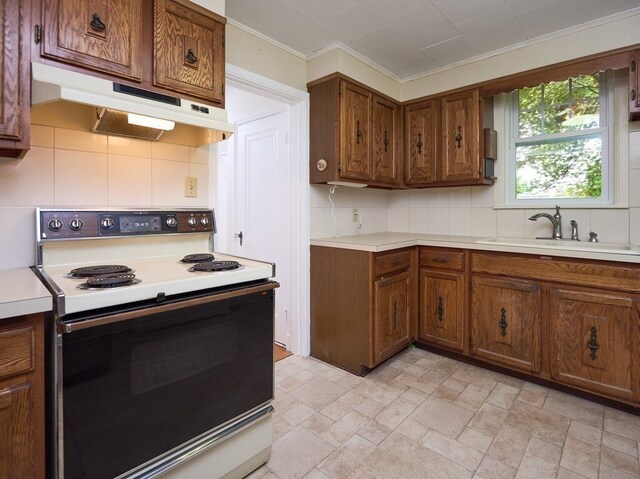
408, 38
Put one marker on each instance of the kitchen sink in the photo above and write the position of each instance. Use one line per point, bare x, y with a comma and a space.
611, 248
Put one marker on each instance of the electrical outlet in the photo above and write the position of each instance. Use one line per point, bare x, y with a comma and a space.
354, 217
190, 187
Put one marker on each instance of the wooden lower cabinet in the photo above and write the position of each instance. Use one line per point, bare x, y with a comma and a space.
362, 305
505, 325
441, 318
392, 315
22, 397
595, 342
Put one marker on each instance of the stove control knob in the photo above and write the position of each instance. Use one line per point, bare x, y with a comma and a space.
76, 224
171, 222
193, 222
106, 223
204, 221
55, 225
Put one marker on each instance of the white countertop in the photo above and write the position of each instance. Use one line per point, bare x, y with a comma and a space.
379, 242
22, 293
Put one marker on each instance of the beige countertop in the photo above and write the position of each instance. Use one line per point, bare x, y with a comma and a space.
22, 293
379, 242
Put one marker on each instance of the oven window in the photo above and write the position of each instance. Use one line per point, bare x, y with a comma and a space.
137, 389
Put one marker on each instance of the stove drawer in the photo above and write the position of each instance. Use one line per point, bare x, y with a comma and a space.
16, 349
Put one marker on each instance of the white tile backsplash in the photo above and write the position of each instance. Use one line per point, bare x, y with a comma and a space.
460, 197
460, 221
27, 181
511, 223
634, 150
80, 140
612, 225
418, 220
484, 222
129, 181
438, 221
399, 219
634, 225
81, 178
79, 169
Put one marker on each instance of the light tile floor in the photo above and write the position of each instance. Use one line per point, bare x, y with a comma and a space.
421, 415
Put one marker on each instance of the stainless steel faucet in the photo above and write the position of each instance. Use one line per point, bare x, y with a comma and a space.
556, 221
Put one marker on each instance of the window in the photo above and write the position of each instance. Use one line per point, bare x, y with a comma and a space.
561, 142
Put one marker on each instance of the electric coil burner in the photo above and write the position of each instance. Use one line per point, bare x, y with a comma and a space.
109, 281
175, 369
197, 258
98, 270
213, 266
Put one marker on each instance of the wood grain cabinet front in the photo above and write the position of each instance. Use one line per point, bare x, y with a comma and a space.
189, 50
15, 70
595, 342
392, 325
102, 35
421, 142
22, 430
505, 324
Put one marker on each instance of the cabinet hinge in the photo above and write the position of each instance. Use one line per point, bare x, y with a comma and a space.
633, 65
339, 90
222, 90
339, 167
37, 34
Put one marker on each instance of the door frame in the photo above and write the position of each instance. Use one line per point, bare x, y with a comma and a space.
297, 102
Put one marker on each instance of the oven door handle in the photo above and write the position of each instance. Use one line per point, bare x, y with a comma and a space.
127, 315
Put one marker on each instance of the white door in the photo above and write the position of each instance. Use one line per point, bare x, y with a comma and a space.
262, 204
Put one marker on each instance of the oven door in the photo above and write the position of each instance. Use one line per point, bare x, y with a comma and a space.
139, 384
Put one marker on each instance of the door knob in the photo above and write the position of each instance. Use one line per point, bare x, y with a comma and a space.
239, 236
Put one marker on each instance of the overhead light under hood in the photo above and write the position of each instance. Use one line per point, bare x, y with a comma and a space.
114, 102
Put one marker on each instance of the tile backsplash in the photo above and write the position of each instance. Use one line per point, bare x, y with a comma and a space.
81, 169
468, 211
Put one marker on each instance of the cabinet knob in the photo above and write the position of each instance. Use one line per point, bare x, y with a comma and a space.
358, 132
97, 23
419, 143
458, 137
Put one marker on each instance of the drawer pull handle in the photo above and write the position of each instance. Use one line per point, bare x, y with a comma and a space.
440, 260
395, 313
97, 23
396, 262
503, 322
458, 137
440, 309
191, 58
593, 343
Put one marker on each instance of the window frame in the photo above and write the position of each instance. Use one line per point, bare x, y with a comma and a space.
615, 185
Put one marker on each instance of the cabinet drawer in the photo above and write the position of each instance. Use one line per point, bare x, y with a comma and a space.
16, 350
441, 258
392, 262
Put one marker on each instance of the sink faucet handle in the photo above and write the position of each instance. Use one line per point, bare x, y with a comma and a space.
593, 237
574, 230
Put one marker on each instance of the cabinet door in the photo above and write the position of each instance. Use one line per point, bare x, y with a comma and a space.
421, 142
461, 136
16, 432
103, 35
189, 50
442, 308
595, 342
392, 315
505, 322
14, 79
355, 118
634, 86
384, 148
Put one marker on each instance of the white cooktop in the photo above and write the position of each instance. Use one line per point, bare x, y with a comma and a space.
158, 275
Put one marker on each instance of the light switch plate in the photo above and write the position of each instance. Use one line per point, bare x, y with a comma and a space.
190, 187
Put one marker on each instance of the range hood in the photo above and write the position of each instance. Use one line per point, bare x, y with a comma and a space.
113, 101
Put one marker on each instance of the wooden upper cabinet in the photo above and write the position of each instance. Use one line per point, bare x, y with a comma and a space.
595, 342
384, 147
189, 50
102, 35
460, 152
355, 132
634, 86
14, 79
505, 322
421, 142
